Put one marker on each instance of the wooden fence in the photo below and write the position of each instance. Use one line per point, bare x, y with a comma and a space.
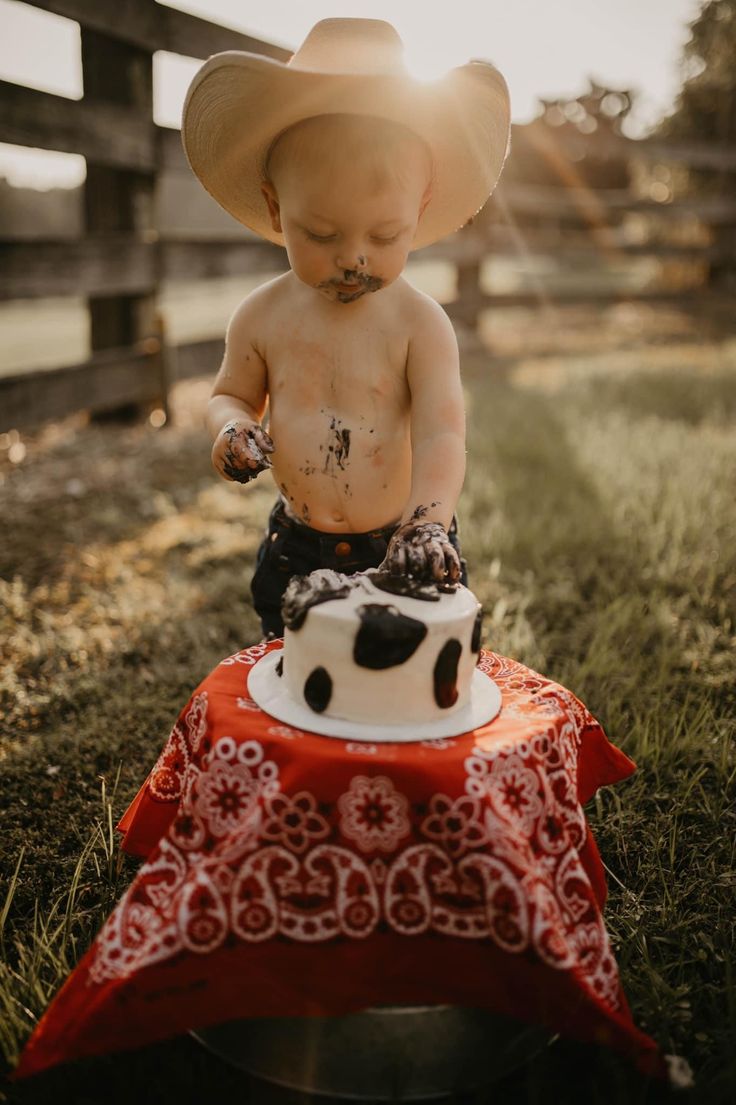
122, 259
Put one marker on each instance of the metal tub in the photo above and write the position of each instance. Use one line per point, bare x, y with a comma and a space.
386, 1053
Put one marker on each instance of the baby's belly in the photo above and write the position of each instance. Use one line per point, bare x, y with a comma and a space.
338, 477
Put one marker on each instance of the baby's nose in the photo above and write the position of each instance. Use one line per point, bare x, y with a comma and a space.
351, 260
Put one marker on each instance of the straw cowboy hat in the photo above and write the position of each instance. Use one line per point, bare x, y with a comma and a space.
239, 103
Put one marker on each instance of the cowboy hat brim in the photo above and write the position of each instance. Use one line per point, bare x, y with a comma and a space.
238, 103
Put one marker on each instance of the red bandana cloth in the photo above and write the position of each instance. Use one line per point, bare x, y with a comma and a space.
292, 874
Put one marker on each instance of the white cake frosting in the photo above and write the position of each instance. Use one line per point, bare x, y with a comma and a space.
354, 650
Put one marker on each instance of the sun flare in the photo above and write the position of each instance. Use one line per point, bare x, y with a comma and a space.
429, 62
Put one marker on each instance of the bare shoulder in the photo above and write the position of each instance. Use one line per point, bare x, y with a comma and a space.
425, 320
267, 295
432, 367
430, 335
254, 319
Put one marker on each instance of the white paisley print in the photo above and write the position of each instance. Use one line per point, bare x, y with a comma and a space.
245, 860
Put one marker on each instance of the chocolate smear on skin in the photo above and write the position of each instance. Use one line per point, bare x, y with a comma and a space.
386, 637
445, 674
338, 447
231, 466
421, 510
318, 690
363, 285
304, 592
408, 551
477, 631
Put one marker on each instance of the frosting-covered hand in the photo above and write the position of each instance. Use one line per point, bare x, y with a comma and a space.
241, 451
422, 550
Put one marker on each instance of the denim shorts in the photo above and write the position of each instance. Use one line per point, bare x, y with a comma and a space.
293, 548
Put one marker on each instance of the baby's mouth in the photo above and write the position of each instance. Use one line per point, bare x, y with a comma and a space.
352, 280
358, 281
356, 284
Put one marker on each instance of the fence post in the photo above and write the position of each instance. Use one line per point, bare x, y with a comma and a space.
119, 201
165, 361
468, 304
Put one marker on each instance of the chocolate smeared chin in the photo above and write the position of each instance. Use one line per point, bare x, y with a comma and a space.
346, 293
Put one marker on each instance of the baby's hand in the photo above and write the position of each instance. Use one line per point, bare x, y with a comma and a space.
422, 550
241, 451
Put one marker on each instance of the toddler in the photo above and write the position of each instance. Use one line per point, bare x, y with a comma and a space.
358, 370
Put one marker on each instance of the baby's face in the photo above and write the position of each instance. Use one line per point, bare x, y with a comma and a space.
344, 238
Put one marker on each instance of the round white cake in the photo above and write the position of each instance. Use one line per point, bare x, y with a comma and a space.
377, 648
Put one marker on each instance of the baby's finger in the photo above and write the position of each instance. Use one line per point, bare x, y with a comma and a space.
452, 562
237, 474
416, 560
264, 440
255, 451
235, 451
436, 557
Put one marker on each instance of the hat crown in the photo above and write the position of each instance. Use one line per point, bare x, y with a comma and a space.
351, 46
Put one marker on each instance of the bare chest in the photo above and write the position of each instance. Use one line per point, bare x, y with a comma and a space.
352, 370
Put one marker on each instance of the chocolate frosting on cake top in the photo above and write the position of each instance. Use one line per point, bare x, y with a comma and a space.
304, 592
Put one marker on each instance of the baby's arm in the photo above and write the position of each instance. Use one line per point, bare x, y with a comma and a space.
241, 446
421, 546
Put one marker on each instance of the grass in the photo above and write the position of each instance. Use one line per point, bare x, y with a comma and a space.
599, 521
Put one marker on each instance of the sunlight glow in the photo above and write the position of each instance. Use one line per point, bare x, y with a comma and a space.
429, 62
543, 50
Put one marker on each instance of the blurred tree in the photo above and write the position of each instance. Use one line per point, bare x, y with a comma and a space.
559, 148
706, 105
705, 111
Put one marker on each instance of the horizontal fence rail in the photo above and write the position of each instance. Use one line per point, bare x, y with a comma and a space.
117, 266
126, 251
106, 133
153, 26
107, 381
110, 267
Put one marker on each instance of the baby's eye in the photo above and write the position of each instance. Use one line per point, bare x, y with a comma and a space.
320, 237
384, 241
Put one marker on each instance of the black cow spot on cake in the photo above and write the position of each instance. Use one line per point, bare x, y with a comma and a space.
477, 631
318, 690
404, 585
445, 674
304, 592
386, 637
280, 666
